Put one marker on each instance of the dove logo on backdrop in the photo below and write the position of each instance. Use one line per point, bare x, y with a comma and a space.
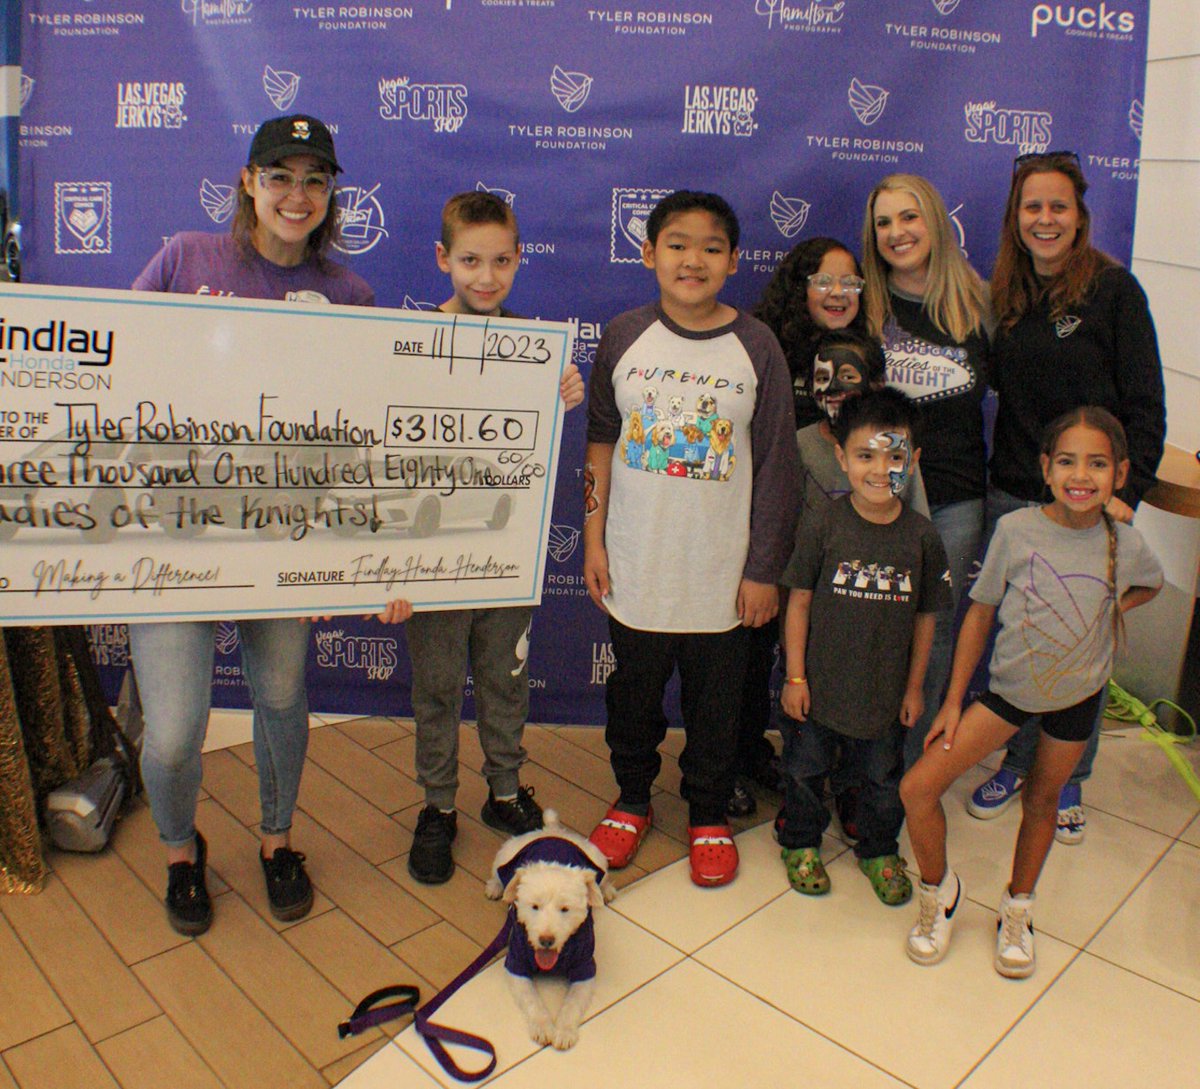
789, 214
570, 88
217, 200
506, 195
867, 101
281, 87
26, 89
1135, 118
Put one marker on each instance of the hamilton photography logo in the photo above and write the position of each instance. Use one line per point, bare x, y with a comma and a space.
1135, 118
442, 104
570, 88
630, 210
789, 214
83, 217
867, 101
217, 200
945, 7
562, 542
360, 219
812, 15
26, 89
506, 195
218, 12
1027, 130
281, 87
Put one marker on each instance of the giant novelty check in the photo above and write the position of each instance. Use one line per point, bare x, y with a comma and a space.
170, 456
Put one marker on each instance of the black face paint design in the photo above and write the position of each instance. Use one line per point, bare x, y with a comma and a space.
837, 372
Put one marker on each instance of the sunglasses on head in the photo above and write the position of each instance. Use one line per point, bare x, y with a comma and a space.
1049, 156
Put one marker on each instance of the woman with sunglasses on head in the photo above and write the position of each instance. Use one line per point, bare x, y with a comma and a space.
931, 310
1072, 328
284, 224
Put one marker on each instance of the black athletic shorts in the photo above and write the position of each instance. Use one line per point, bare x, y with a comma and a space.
1070, 724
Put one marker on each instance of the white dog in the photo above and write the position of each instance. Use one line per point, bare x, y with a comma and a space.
553, 878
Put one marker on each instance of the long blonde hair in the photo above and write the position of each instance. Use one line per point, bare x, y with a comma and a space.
954, 294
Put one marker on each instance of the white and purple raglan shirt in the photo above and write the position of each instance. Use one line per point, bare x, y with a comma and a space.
705, 479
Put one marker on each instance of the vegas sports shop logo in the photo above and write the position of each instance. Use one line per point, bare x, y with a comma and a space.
218, 12
1079, 20
83, 217
218, 201
506, 195
360, 219
631, 209
867, 101
789, 214
281, 87
150, 105
374, 655
813, 15
718, 110
25, 90
1026, 130
1135, 118
571, 89
442, 104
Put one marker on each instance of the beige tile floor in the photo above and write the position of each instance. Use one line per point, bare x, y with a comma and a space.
750, 985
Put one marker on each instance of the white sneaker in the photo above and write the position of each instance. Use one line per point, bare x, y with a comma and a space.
1014, 937
929, 940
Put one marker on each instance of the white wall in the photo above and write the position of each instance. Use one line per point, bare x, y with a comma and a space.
1166, 241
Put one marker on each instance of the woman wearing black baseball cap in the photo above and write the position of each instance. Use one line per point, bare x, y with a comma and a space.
282, 229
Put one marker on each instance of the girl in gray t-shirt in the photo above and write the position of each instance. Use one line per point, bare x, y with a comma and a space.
1060, 578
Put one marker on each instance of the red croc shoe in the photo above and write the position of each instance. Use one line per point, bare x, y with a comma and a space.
713, 854
620, 834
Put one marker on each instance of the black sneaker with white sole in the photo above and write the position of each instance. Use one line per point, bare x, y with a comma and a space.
516, 816
289, 891
189, 909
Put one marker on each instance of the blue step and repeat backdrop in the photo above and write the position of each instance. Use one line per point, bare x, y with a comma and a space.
137, 114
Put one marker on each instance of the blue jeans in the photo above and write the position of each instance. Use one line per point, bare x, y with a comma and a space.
1022, 746
810, 753
174, 665
960, 526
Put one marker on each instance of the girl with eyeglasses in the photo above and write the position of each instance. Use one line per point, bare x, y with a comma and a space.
931, 310
282, 228
1073, 328
815, 290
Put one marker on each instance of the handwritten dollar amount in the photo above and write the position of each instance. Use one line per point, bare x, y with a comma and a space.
475, 429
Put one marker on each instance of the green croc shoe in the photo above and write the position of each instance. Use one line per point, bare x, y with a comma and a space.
805, 870
888, 879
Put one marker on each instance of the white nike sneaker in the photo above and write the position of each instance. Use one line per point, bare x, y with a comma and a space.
929, 939
1014, 937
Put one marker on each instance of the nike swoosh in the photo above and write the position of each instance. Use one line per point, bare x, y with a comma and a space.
954, 907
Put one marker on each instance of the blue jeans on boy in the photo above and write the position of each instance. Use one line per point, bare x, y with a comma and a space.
1022, 746
810, 753
174, 665
960, 526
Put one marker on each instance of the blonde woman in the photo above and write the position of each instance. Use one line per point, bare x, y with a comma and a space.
930, 309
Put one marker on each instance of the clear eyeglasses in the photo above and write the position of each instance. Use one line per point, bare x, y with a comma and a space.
279, 182
822, 283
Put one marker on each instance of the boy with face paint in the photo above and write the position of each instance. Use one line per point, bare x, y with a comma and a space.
833, 723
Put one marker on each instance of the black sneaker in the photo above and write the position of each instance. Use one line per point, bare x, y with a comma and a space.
289, 890
516, 817
189, 910
430, 860
741, 802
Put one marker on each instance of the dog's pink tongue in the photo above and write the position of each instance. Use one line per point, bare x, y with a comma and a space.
546, 958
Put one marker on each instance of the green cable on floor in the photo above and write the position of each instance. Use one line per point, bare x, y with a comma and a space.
1128, 708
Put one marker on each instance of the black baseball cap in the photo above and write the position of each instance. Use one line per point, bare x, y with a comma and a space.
298, 134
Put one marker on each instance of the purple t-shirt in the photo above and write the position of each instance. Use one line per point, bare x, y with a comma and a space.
194, 263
